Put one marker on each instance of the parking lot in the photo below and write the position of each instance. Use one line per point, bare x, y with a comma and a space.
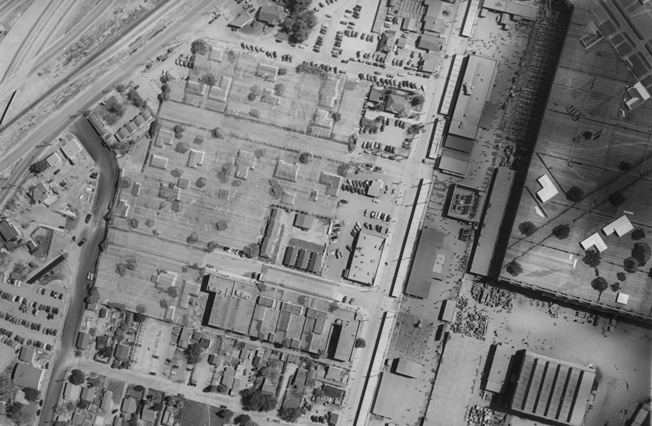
31, 314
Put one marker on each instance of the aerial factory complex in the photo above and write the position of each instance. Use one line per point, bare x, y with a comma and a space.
346, 212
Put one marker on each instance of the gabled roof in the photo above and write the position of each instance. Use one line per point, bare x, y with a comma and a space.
396, 103
269, 15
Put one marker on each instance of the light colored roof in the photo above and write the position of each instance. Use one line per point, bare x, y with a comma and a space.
622, 298
594, 240
242, 20
195, 158
548, 189
159, 162
390, 401
366, 256
71, 392
409, 368
499, 365
72, 147
53, 159
620, 226
477, 84
455, 163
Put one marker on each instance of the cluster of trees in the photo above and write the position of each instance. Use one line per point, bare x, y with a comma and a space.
305, 68
178, 131
592, 258
38, 167
209, 79
77, 377
154, 127
193, 353
165, 93
300, 21
135, 98
255, 400
574, 194
114, 110
561, 231
252, 251
527, 228
289, 414
199, 47
617, 198
514, 268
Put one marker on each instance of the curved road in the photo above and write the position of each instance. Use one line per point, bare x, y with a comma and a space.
107, 181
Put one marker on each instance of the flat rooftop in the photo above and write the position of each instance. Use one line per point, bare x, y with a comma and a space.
427, 264
475, 91
366, 255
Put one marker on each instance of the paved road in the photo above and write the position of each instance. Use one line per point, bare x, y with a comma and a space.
83, 264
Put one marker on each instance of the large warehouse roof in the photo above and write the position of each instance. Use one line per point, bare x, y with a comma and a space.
552, 389
390, 400
477, 84
425, 260
483, 256
454, 163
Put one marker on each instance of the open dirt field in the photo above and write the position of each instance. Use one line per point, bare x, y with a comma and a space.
592, 81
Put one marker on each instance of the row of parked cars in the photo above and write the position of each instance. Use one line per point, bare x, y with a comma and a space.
53, 294
18, 340
378, 215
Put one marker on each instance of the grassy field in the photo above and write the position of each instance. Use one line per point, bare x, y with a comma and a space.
196, 414
619, 160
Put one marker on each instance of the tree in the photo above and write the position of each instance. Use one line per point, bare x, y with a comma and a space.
173, 292
154, 128
252, 251
251, 96
139, 317
225, 414
193, 353
279, 89
282, 71
93, 296
621, 276
217, 133
199, 47
337, 117
105, 352
417, 100
592, 258
83, 404
360, 343
178, 131
289, 414
31, 394
527, 228
599, 284
638, 234
615, 287
624, 166
641, 252
135, 98
38, 167
631, 265
253, 400
299, 24
182, 147
514, 268
304, 158
334, 306
242, 419
561, 231
158, 406
617, 198
574, 194
221, 388
139, 388
318, 392
209, 79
